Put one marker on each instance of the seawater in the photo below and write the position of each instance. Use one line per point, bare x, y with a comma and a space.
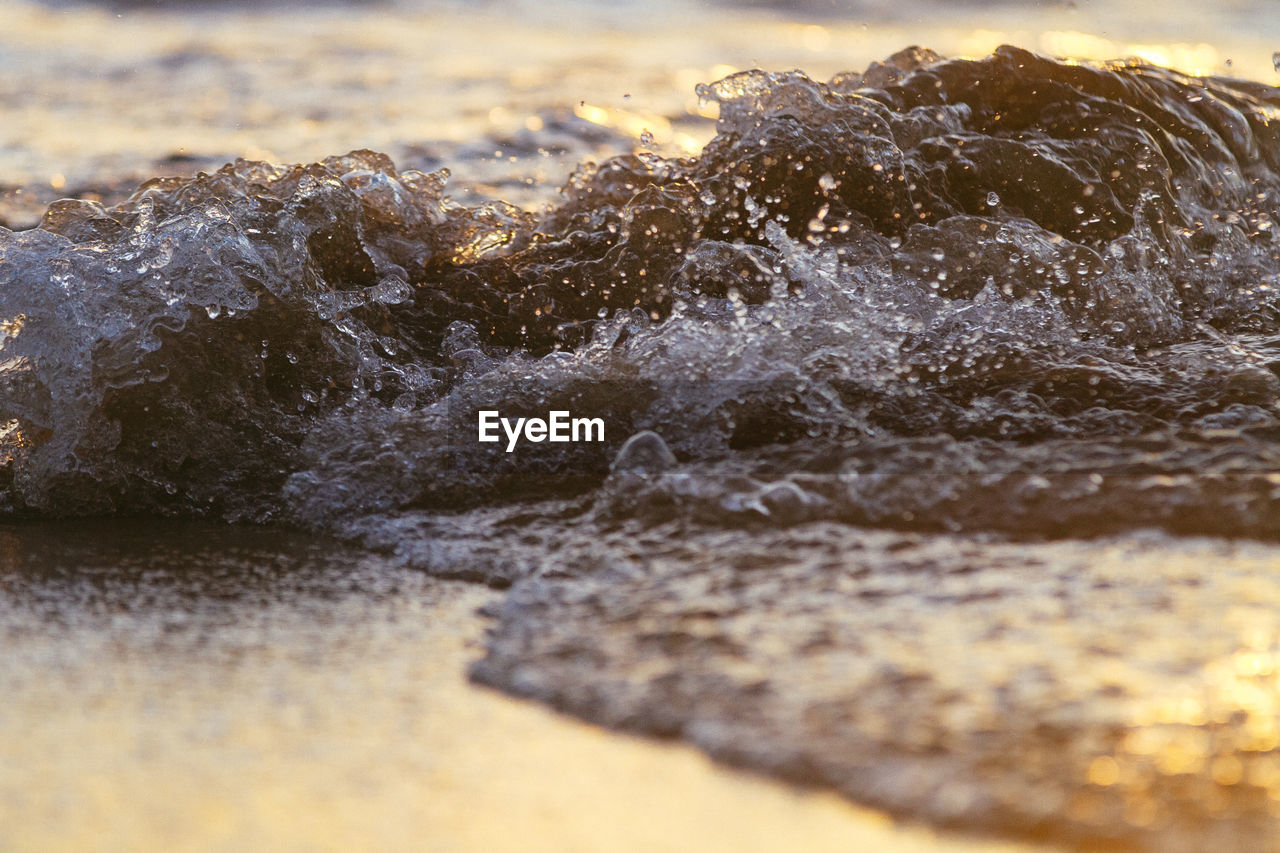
953, 386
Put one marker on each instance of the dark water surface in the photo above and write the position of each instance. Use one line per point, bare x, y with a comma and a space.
941, 419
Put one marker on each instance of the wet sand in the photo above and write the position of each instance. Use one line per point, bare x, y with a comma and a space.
266, 691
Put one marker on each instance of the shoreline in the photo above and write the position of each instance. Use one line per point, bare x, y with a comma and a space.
142, 717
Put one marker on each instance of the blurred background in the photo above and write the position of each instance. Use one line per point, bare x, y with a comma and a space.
508, 95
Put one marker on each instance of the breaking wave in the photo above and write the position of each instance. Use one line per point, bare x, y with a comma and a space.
1010, 293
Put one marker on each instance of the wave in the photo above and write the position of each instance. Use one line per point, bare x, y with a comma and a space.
1009, 292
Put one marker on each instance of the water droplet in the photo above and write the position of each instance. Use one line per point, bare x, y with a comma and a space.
645, 453
1275, 60
646, 138
993, 200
